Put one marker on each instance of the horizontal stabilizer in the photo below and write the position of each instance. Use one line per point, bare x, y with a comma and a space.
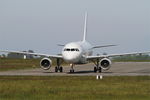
103, 46
61, 45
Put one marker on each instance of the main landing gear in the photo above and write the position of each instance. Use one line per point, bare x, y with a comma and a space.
97, 67
58, 67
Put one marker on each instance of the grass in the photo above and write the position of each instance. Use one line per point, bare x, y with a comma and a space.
74, 88
14, 64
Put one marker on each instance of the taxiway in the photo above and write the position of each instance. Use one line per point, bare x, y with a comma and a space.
117, 69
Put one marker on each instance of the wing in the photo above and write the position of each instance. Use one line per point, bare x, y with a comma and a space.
36, 54
114, 55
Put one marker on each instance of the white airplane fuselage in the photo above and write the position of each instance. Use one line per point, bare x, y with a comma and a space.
76, 52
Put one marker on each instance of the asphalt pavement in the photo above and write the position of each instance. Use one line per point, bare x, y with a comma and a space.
117, 69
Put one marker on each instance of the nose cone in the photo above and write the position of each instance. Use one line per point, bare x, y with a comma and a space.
71, 52
71, 57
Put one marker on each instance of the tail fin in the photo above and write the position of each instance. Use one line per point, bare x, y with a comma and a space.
85, 27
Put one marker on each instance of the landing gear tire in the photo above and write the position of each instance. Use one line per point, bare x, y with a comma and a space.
71, 71
61, 69
56, 69
99, 69
95, 69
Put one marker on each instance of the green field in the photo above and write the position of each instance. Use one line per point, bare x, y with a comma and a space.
14, 64
74, 88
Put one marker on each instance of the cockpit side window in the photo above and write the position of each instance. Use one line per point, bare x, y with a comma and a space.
77, 49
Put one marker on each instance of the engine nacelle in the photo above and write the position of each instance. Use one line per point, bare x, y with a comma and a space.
46, 63
105, 63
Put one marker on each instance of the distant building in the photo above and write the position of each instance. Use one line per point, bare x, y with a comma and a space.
21, 56
3, 56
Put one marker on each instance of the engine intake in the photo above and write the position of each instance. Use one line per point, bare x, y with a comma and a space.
46, 63
105, 63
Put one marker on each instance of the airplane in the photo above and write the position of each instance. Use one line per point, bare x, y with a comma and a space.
79, 52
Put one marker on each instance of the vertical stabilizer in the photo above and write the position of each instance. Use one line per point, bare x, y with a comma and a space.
85, 27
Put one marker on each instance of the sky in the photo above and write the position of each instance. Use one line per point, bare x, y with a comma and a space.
40, 25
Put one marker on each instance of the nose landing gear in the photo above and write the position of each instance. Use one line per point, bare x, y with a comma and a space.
72, 70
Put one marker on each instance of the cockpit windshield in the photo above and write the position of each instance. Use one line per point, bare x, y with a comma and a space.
71, 49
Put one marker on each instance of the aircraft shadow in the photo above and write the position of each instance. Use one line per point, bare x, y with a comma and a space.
81, 72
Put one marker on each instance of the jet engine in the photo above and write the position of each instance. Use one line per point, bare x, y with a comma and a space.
105, 63
46, 63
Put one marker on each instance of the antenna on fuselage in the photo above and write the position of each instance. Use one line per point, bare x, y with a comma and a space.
85, 27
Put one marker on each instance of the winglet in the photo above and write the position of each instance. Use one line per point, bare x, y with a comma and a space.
85, 27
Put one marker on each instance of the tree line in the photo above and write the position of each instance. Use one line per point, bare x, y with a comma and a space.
132, 58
